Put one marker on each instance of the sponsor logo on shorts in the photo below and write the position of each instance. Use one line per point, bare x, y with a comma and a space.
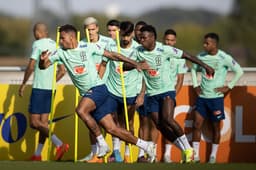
89, 92
217, 113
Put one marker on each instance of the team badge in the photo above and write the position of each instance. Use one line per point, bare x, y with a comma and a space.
83, 56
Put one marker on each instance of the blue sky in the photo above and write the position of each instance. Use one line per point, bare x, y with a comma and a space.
128, 7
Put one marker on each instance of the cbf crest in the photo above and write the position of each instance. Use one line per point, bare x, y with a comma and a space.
83, 56
158, 60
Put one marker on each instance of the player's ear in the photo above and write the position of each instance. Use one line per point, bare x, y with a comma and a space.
72, 36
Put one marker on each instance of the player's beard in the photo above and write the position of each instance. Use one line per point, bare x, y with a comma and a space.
125, 42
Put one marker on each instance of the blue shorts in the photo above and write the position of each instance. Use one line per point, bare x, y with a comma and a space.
40, 101
143, 110
116, 103
155, 102
99, 94
212, 109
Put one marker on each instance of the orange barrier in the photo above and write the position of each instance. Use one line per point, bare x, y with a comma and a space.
18, 141
238, 133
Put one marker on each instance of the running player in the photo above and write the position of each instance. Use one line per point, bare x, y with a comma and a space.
95, 104
91, 24
144, 127
160, 98
113, 26
137, 28
40, 99
131, 78
177, 70
211, 91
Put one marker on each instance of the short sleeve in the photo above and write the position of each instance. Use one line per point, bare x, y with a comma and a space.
36, 52
97, 49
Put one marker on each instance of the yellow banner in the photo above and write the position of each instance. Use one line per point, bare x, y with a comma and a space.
18, 141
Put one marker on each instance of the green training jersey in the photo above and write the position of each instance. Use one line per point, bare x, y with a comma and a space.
80, 65
42, 78
220, 62
177, 66
131, 80
102, 42
157, 79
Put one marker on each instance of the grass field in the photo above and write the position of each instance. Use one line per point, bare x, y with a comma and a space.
25, 165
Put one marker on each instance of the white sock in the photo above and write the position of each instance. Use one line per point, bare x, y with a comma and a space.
179, 145
127, 150
116, 143
142, 144
56, 140
184, 141
39, 149
196, 146
141, 153
94, 148
167, 149
214, 150
101, 141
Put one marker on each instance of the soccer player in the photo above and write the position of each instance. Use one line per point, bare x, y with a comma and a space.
113, 26
170, 37
132, 80
142, 110
137, 28
95, 104
91, 24
161, 99
177, 70
211, 91
40, 99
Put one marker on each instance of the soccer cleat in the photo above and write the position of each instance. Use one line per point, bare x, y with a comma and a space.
103, 150
36, 158
111, 158
189, 155
95, 159
115, 157
142, 159
167, 158
151, 151
127, 159
87, 157
183, 157
60, 150
118, 157
212, 160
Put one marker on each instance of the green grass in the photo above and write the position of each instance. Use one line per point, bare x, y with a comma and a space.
22, 165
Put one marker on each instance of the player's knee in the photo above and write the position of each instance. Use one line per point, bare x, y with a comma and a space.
34, 124
197, 125
79, 111
165, 122
112, 130
159, 126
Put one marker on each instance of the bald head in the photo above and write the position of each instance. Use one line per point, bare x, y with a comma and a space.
40, 31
